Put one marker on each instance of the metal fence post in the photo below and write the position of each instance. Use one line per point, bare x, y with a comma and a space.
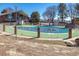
70, 33
15, 29
3, 27
38, 32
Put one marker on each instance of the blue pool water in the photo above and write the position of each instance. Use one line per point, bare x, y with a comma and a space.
45, 29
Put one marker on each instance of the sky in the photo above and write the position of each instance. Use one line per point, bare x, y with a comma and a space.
28, 8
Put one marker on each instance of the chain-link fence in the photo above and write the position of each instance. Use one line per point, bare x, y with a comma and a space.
45, 31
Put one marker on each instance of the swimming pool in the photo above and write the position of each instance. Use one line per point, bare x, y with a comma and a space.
45, 29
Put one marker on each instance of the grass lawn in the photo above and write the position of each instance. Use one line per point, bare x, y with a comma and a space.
43, 35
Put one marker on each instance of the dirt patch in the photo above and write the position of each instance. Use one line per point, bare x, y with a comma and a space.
11, 46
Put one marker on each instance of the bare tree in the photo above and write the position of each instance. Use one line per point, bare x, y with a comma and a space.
71, 14
62, 11
77, 9
50, 14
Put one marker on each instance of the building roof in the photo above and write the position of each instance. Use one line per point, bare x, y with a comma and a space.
20, 12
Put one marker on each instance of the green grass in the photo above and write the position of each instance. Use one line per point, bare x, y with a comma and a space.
43, 35
9, 29
75, 32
